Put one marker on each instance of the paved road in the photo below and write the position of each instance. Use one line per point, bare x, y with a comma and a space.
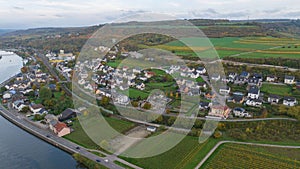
245, 143
55, 140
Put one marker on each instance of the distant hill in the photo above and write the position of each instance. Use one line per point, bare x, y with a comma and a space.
73, 38
44, 31
4, 31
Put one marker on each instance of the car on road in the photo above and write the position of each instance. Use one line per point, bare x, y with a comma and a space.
106, 160
47, 136
98, 160
77, 148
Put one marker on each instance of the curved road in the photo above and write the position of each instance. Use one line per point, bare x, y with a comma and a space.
53, 139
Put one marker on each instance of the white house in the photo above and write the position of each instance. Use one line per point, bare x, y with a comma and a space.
35, 108
271, 78
194, 75
289, 80
254, 102
121, 99
273, 99
215, 77
254, 92
140, 86
151, 129
201, 70
225, 90
289, 101
240, 112
7, 95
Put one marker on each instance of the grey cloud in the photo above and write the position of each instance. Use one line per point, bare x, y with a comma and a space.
211, 13
18, 8
295, 14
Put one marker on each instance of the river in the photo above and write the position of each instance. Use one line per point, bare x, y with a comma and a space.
19, 149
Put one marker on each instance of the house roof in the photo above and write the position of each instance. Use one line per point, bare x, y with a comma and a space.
274, 96
68, 112
289, 77
36, 106
244, 74
59, 126
238, 98
204, 104
225, 88
289, 99
254, 90
239, 109
220, 107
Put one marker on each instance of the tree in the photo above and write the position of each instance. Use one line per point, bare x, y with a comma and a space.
24, 69
217, 134
135, 103
45, 94
34, 87
24, 110
147, 106
104, 101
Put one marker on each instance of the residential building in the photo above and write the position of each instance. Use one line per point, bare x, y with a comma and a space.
204, 105
219, 111
151, 129
289, 80
290, 101
273, 99
35, 108
240, 112
225, 90
67, 114
254, 102
254, 92
271, 78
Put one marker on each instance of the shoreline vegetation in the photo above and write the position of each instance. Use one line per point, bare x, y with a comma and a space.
87, 162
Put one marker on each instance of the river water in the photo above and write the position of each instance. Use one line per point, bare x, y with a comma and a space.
19, 149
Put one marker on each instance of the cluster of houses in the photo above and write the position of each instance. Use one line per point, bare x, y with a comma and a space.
27, 84
253, 97
106, 79
58, 124
61, 61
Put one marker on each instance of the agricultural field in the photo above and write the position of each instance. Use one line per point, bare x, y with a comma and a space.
251, 47
246, 156
185, 155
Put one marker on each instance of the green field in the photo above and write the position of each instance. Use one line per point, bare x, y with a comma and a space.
187, 154
281, 90
80, 137
259, 47
245, 156
135, 93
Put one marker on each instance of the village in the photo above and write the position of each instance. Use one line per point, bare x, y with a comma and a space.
26, 93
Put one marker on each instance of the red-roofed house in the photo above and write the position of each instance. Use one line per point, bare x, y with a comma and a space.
220, 111
61, 129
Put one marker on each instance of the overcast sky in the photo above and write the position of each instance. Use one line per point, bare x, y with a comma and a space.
20, 14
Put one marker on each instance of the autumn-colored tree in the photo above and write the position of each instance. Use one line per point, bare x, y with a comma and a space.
147, 106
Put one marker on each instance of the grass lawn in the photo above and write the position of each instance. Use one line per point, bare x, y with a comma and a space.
281, 90
135, 93
253, 157
187, 154
122, 165
80, 137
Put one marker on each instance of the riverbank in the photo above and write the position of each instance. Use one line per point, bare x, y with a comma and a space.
42, 134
